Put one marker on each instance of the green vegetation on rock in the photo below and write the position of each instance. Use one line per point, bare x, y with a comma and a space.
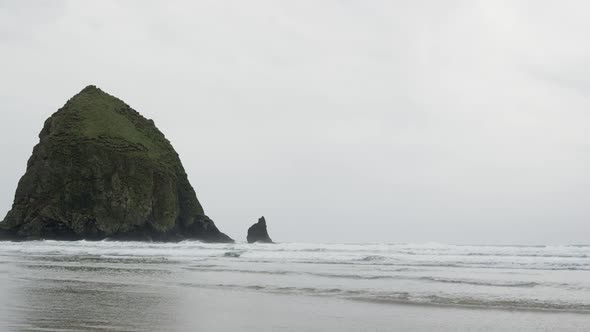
102, 170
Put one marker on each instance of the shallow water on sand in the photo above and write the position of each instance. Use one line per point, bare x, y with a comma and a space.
131, 286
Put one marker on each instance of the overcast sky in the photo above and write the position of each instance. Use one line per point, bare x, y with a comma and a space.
340, 121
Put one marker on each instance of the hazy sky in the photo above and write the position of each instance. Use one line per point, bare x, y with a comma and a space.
339, 120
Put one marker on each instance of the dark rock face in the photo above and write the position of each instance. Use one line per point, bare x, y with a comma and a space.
258, 232
101, 170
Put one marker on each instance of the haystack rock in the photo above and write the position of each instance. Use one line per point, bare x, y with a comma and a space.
258, 232
101, 170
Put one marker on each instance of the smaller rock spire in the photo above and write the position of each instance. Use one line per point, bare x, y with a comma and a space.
258, 232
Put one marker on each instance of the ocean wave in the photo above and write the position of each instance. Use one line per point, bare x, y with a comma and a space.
435, 256
234, 254
470, 302
494, 283
302, 250
234, 270
95, 268
475, 282
442, 300
373, 258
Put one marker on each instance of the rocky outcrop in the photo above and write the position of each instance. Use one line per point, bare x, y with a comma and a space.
258, 232
101, 170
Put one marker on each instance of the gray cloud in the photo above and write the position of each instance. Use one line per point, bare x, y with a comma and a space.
455, 121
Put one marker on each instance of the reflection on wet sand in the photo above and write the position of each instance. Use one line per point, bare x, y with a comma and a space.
46, 299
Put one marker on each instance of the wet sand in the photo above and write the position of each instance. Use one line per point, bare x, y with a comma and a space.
250, 311
139, 308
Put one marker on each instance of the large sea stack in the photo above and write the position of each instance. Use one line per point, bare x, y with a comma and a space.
258, 232
101, 170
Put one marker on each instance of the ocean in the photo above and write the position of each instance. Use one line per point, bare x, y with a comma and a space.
186, 286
